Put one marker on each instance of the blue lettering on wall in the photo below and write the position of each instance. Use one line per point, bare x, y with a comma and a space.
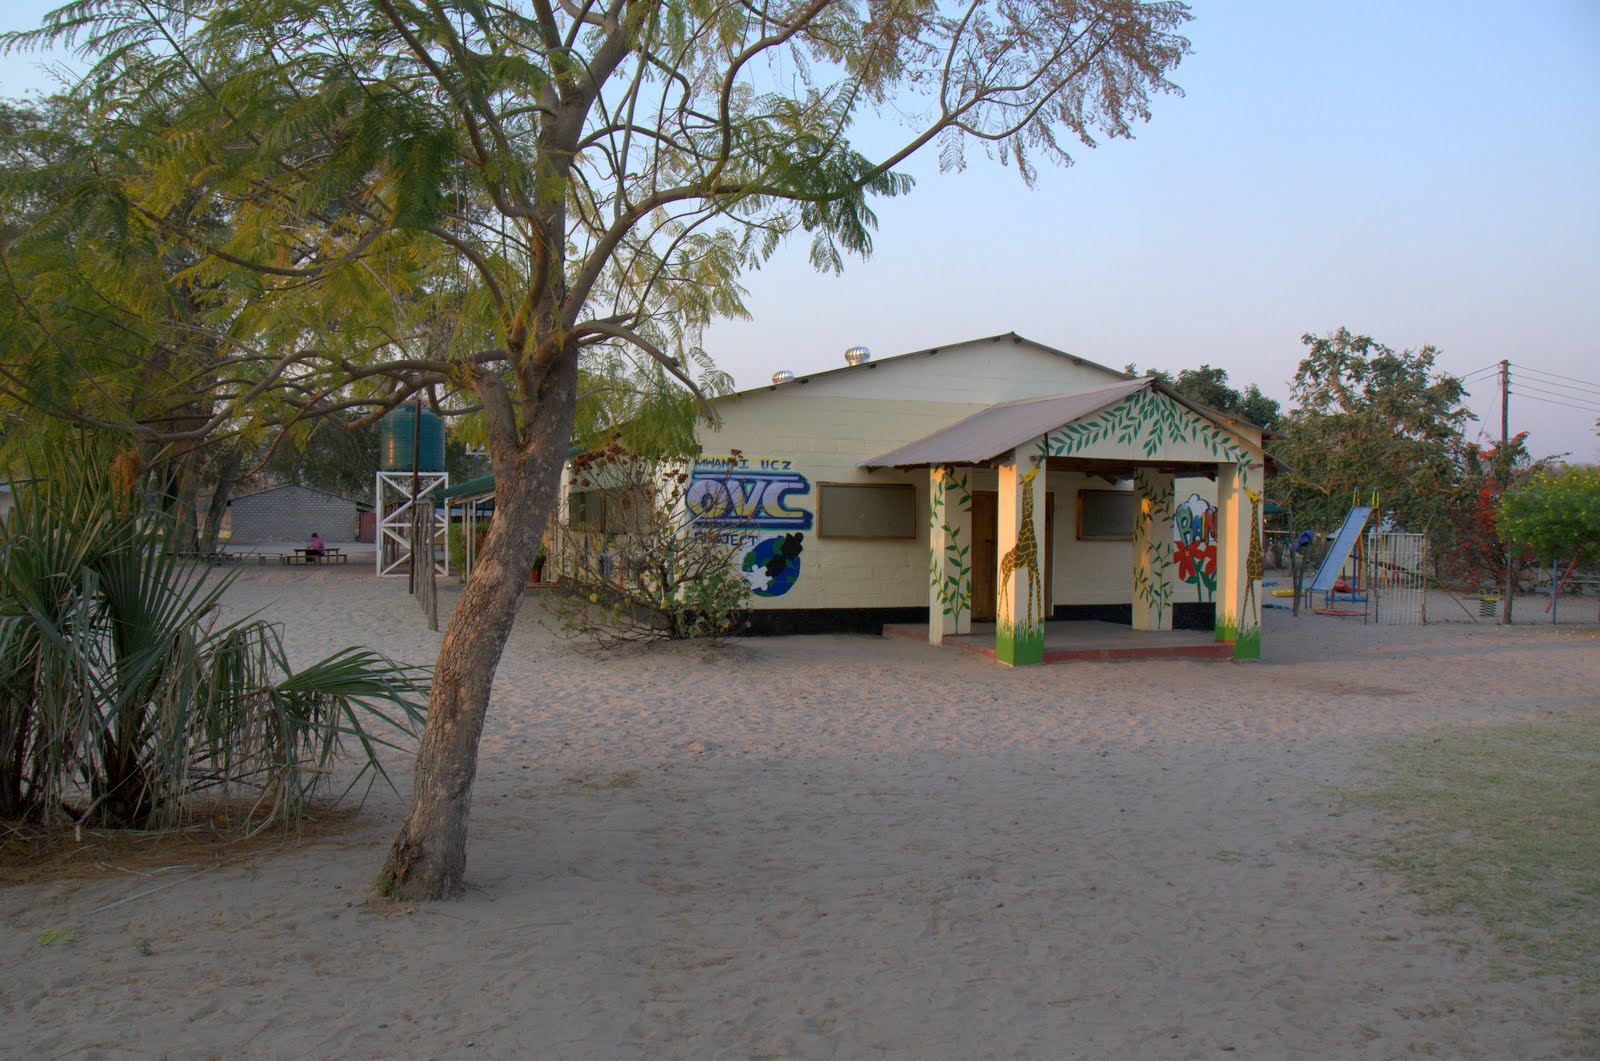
748, 492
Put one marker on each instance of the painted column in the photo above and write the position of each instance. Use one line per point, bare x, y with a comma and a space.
1019, 611
950, 553
1239, 558
1152, 551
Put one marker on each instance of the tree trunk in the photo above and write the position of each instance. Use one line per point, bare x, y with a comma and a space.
429, 855
219, 501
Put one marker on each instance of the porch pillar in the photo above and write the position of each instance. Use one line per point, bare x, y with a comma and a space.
1152, 550
1019, 612
950, 553
1239, 558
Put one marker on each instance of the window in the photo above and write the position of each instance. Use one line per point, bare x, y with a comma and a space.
1106, 515
588, 510
867, 510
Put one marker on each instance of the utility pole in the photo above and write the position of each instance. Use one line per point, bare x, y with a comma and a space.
1505, 471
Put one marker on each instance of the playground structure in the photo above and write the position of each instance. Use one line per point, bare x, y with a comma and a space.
1383, 571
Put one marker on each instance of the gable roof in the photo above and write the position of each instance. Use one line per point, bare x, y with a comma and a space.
298, 486
999, 429
930, 352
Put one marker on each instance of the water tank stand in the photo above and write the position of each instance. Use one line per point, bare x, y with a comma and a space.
393, 494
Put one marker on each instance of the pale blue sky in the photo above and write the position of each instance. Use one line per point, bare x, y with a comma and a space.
1422, 172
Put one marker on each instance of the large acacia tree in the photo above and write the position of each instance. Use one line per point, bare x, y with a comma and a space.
462, 197
1370, 421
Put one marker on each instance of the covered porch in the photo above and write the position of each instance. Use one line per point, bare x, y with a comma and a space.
1140, 432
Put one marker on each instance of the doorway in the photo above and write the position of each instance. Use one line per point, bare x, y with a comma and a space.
986, 552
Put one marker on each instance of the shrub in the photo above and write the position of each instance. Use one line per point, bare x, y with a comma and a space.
641, 567
123, 696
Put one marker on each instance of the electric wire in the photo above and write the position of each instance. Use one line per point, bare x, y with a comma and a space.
1555, 390
1523, 387
1564, 380
1551, 401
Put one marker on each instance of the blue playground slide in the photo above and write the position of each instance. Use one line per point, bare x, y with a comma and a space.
1340, 551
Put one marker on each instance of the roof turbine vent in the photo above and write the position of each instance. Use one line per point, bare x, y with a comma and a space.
857, 355
782, 376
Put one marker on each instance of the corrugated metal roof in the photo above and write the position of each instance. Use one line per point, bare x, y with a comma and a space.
1001, 428
1013, 337
482, 486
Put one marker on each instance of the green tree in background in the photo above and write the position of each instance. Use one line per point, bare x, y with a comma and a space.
1209, 386
1369, 422
462, 200
1555, 514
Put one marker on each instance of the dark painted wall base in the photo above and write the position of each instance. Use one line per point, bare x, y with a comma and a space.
765, 623
1186, 615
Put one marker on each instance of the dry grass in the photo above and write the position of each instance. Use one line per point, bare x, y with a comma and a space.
1503, 824
30, 856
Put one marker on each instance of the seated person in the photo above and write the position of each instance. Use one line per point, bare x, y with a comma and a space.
315, 550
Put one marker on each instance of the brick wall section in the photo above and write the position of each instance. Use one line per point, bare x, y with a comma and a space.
290, 513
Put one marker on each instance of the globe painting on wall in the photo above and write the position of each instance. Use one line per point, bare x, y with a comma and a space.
773, 564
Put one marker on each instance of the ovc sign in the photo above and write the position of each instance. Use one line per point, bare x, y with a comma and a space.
748, 492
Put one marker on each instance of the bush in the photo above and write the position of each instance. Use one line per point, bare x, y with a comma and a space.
123, 697
644, 568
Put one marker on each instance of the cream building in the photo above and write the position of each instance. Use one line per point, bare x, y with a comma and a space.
992, 480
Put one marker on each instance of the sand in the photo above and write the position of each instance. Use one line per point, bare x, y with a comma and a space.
842, 847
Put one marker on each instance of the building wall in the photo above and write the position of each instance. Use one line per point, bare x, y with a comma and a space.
290, 514
794, 438
821, 438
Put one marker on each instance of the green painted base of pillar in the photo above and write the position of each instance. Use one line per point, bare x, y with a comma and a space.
1018, 648
1246, 643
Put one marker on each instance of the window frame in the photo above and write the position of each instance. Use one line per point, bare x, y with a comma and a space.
822, 512
1084, 492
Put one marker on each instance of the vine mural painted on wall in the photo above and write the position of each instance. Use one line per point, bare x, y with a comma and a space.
950, 576
1194, 534
1152, 589
1149, 420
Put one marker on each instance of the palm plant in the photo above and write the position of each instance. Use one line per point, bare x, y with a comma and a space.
123, 693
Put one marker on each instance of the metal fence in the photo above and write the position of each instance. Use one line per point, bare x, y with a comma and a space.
1397, 585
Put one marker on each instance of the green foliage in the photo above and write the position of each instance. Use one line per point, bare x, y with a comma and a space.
1369, 421
123, 696
1555, 514
1209, 387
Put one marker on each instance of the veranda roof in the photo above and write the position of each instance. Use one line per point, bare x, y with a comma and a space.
999, 429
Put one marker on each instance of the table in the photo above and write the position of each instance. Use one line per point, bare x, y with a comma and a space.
330, 555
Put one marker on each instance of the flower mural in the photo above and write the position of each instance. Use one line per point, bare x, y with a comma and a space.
1194, 533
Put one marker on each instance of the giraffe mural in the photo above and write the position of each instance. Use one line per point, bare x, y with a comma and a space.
1019, 631
1255, 564
1240, 561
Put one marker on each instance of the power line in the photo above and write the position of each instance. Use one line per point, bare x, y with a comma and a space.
1525, 387
1564, 379
1486, 368
1551, 401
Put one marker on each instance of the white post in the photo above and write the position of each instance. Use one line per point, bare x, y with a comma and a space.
1152, 550
949, 553
1019, 609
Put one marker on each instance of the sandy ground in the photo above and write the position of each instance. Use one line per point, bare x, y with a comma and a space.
843, 847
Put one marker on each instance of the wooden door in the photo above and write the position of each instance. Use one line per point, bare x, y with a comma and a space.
985, 559
986, 552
